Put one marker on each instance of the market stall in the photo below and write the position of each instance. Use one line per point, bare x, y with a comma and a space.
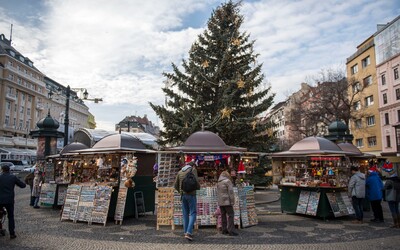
313, 177
212, 156
103, 180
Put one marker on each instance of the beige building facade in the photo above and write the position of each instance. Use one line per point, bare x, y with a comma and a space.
361, 73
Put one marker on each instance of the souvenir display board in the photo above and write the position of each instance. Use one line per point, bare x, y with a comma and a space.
71, 202
165, 208
168, 167
61, 194
340, 204
248, 213
308, 203
87, 203
48, 194
101, 204
120, 208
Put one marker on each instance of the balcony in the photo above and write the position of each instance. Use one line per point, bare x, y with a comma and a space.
24, 142
6, 141
40, 106
11, 96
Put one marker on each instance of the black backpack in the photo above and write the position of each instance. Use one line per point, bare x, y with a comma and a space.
189, 182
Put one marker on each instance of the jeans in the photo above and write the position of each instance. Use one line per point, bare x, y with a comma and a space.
36, 201
358, 207
10, 216
377, 209
394, 207
189, 206
227, 216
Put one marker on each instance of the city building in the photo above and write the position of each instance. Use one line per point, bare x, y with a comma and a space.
365, 124
24, 95
137, 124
387, 49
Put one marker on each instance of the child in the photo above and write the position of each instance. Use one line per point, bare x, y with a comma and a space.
219, 219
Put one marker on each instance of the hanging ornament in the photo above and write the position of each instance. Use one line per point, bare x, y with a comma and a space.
254, 124
205, 64
226, 112
240, 83
236, 42
249, 94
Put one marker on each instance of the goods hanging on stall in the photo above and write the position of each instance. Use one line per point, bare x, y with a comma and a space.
102, 179
211, 156
313, 177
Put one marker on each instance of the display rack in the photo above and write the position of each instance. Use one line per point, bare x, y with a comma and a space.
165, 208
101, 205
120, 208
308, 202
85, 204
248, 213
71, 202
48, 194
340, 204
168, 168
61, 194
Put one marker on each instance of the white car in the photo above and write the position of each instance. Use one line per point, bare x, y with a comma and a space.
30, 169
10, 164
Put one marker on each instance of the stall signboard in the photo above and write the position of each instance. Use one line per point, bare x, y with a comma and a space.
308, 203
48, 194
61, 194
340, 204
303, 202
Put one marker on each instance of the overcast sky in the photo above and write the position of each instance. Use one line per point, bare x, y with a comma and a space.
118, 49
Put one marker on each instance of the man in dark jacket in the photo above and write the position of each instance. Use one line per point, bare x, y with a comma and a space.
189, 200
7, 184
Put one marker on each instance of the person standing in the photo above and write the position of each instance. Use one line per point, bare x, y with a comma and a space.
392, 195
37, 186
226, 200
356, 190
29, 181
374, 187
7, 194
189, 200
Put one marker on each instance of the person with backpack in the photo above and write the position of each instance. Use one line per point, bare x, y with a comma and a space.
356, 190
226, 200
186, 184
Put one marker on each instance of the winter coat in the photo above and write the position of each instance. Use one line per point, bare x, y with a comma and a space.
29, 179
357, 185
392, 189
225, 192
181, 175
7, 184
37, 185
374, 187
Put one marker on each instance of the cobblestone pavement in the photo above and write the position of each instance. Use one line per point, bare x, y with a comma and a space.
42, 229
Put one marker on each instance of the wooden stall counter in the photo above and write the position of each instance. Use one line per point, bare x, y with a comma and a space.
319, 201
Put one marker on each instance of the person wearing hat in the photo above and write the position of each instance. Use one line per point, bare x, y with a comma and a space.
373, 193
7, 184
392, 193
356, 190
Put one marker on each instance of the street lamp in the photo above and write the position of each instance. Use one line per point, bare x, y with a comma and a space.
66, 117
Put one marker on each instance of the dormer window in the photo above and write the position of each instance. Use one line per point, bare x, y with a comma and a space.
12, 53
30, 63
21, 58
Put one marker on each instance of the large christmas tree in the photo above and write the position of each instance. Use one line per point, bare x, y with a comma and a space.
221, 87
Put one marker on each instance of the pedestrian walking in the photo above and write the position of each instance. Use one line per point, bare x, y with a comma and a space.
37, 186
374, 187
29, 181
7, 194
392, 194
356, 190
188, 197
226, 200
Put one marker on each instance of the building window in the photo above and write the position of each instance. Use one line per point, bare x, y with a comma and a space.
388, 144
367, 81
398, 115
21, 110
384, 97
397, 94
11, 77
354, 69
359, 143
29, 98
369, 101
366, 61
371, 120
358, 123
396, 73
386, 118
356, 87
357, 105
28, 111
7, 120
28, 124
383, 79
20, 124
372, 141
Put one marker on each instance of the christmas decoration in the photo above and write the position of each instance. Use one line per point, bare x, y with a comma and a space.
226, 113
205, 64
236, 42
240, 83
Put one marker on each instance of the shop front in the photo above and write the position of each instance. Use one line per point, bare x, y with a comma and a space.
313, 177
212, 156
